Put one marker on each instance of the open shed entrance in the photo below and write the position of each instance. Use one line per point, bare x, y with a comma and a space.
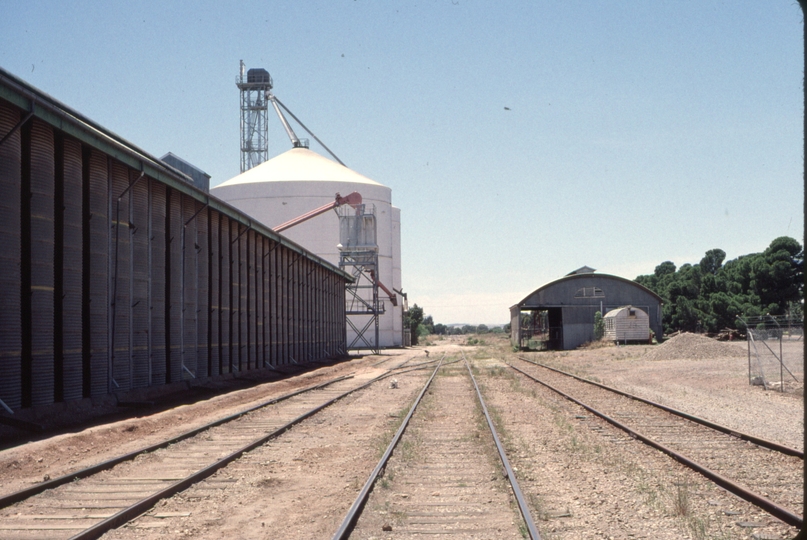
542, 329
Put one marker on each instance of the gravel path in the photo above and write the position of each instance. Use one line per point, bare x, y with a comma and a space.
687, 375
583, 479
297, 487
586, 479
442, 479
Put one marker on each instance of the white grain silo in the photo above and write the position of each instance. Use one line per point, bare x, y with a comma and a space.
301, 180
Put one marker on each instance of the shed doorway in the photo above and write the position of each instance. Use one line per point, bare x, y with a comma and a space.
542, 329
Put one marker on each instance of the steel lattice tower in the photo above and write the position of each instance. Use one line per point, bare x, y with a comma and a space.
254, 109
358, 255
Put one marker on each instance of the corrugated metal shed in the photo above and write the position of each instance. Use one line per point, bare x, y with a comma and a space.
567, 308
118, 275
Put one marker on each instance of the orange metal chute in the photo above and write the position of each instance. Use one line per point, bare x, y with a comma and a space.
354, 199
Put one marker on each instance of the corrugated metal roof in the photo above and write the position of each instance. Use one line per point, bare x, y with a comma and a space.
588, 277
27, 97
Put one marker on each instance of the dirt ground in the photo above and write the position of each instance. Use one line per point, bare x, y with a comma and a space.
700, 376
579, 480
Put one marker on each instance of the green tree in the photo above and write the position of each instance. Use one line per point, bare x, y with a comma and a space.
710, 295
413, 319
599, 326
428, 322
712, 261
482, 329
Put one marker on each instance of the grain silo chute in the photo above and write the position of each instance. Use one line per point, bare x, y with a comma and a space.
358, 256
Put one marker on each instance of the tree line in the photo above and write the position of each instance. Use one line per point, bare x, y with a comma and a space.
420, 326
711, 295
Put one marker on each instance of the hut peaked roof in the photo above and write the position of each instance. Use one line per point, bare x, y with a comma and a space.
582, 270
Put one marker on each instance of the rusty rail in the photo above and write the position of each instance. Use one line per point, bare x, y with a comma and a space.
349, 522
717, 427
511, 475
754, 498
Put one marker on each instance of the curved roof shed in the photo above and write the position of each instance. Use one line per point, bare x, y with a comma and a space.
571, 301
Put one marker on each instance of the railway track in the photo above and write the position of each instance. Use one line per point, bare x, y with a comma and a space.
763, 473
85, 504
444, 473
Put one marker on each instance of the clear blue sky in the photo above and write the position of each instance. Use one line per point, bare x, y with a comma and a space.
637, 131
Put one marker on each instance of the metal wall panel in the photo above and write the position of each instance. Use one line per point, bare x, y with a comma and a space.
305, 321
189, 287
261, 303
251, 311
305, 316
235, 296
99, 234
243, 284
291, 296
10, 258
141, 268
120, 276
316, 305
277, 306
271, 281
201, 247
42, 263
214, 293
225, 310
296, 305
282, 309
174, 285
140, 368
71, 271
158, 255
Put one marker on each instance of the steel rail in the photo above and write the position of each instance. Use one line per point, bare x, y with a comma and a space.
128, 514
744, 436
758, 500
355, 510
23, 494
511, 476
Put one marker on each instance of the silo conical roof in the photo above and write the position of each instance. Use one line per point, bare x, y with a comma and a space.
299, 165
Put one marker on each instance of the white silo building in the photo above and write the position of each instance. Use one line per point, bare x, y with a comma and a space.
300, 180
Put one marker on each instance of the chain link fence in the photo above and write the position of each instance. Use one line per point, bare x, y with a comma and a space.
775, 352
